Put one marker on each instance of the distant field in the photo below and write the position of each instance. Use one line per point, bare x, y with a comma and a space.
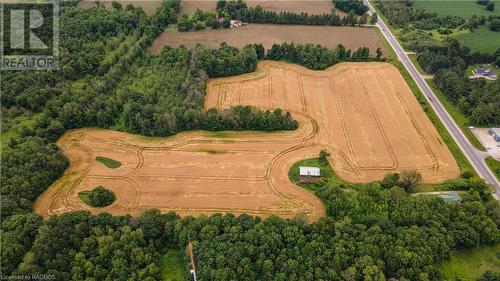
457, 8
482, 39
471, 264
269, 34
295, 6
148, 6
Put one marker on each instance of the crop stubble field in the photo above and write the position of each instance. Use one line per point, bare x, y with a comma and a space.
364, 114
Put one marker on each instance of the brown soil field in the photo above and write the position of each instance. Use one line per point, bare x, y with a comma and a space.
149, 6
269, 34
364, 114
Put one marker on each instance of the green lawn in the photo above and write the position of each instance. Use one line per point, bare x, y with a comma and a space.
460, 8
494, 166
471, 264
461, 120
482, 39
108, 162
172, 266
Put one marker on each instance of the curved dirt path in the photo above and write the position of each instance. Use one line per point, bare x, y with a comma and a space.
364, 114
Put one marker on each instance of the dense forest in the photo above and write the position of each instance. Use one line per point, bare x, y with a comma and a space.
371, 234
109, 80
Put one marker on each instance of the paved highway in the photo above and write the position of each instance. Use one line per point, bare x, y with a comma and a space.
476, 158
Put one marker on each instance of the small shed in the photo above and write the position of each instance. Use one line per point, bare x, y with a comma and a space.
495, 133
451, 197
309, 174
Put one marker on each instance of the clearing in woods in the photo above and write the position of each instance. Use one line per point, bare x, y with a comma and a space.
269, 34
364, 114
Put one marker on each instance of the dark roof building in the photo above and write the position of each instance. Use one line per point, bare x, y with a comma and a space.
485, 72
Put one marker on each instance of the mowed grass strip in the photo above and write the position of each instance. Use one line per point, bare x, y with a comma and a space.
413, 58
494, 166
467, 265
108, 162
172, 266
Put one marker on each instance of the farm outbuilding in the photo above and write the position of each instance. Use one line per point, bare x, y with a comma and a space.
309, 174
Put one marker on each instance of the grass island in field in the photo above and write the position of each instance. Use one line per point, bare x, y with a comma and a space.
327, 174
108, 162
172, 265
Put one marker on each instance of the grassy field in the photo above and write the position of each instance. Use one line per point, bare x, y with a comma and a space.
461, 120
172, 266
471, 264
494, 166
459, 8
108, 162
482, 39
326, 172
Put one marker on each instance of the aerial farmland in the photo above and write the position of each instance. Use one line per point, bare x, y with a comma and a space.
179, 140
